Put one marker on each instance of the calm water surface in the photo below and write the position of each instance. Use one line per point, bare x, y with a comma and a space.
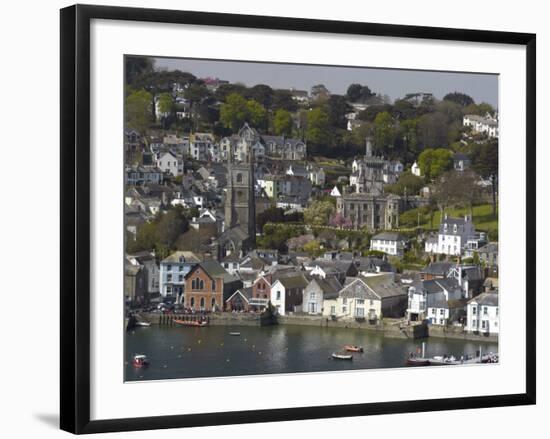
185, 352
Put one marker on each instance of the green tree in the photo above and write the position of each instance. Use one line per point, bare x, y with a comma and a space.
486, 165
318, 213
433, 162
137, 110
313, 248
338, 107
234, 112
261, 93
319, 93
257, 114
136, 66
318, 126
358, 93
408, 182
282, 123
459, 98
282, 99
383, 131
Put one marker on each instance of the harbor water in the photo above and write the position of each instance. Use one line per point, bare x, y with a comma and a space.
187, 352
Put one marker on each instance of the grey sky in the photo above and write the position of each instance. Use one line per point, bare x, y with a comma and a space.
395, 83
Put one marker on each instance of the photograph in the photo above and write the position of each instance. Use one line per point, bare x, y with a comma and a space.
296, 218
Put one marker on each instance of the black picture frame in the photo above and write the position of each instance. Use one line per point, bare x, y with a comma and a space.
75, 217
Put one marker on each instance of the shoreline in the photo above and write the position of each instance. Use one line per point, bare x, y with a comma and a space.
388, 328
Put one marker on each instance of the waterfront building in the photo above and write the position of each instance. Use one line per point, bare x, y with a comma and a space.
172, 274
135, 282
367, 299
239, 300
483, 314
208, 286
317, 291
287, 293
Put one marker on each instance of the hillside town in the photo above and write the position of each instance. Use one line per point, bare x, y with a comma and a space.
235, 205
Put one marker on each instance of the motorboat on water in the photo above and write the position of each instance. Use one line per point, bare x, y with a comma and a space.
143, 324
353, 348
140, 360
235, 334
341, 356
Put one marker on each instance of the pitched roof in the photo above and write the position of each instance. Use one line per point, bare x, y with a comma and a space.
486, 299
293, 281
215, 270
329, 286
189, 257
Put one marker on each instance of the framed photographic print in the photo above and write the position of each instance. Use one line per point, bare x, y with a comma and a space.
272, 218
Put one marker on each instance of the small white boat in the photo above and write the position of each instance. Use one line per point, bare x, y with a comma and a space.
235, 334
145, 324
341, 356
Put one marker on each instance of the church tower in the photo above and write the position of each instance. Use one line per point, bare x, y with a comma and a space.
240, 201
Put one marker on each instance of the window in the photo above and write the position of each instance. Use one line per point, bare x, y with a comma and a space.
454, 229
168, 267
201, 285
278, 295
345, 300
474, 310
181, 267
344, 309
371, 302
192, 302
483, 324
180, 278
239, 178
433, 311
313, 296
496, 311
332, 310
194, 284
202, 302
360, 312
442, 312
360, 301
169, 290
213, 285
169, 278
485, 310
213, 302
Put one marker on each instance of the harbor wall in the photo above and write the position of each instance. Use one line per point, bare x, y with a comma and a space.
393, 328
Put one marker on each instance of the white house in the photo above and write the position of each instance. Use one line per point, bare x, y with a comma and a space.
167, 162
317, 291
172, 274
415, 169
316, 175
391, 243
480, 124
453, 236
287, 293
482, 314
429, 299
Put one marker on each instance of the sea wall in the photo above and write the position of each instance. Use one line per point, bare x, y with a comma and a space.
458, 332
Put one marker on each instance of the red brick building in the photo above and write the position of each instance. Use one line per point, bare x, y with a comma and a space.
207, 287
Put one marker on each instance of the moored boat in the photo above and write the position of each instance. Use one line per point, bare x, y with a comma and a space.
144, 324
140, 360
418, 358
191, 322
353, 348
236, 334
341, 356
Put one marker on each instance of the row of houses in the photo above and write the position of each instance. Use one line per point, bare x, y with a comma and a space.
343, 288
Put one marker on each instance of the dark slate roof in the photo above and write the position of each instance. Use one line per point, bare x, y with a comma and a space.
486, 299
438, 268
329, 286
372, 287
296, 281
245, 292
